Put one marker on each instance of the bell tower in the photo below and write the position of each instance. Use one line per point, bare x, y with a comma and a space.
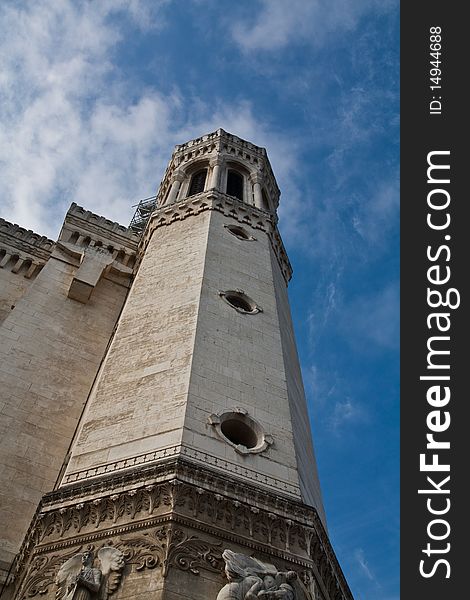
192, 467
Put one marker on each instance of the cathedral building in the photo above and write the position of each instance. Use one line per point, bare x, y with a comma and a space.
155, 441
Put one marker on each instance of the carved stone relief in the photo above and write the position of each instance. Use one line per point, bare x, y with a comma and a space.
166, 547
212, 503
251, 579
84, 518
79, 579
78, 575
41, 574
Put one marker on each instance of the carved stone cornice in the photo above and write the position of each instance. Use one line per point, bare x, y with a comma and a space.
194, 497
230, 207
200, 475
166, 543
172, 452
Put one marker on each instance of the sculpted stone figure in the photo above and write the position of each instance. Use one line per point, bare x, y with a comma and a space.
251, 579
79, 579
276, 587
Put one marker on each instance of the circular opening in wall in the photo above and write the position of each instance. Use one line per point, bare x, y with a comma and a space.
243, 433
239, 232
240, 301
239, 433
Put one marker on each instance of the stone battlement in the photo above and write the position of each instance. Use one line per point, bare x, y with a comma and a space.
95, 223
14, 237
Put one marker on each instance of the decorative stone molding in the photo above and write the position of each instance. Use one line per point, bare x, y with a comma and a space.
196, 498
94, 263
42, 573
26, 252
99, 228
163, 547
98, 248
26, 240
199, 474
229, 207
120, 465
168, 547
185, 452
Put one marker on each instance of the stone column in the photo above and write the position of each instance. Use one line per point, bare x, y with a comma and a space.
257, 193
18, 265
175, 187
5, 260
215, 175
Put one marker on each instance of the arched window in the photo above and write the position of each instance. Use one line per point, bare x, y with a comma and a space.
198, 182
235, 184
265, 200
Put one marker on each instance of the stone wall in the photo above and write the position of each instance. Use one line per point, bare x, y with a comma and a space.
51, 347
23, 254
182, 358
238, 362
139, 401
304, 454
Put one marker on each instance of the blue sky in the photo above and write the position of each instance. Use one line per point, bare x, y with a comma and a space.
93, 97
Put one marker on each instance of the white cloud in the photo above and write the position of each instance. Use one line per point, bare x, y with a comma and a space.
364, 566
359, 556
321, 387
72, 129
282, 22
55, 90
345, 412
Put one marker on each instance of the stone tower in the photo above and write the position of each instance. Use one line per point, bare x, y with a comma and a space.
193, 451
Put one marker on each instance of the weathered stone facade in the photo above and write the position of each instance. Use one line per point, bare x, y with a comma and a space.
155, 410
50, 350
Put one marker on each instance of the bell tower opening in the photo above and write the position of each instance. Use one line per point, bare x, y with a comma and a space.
235, 184
198, 182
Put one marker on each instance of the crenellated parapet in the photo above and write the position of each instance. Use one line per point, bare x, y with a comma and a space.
87, 228
98, 248
22, 251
